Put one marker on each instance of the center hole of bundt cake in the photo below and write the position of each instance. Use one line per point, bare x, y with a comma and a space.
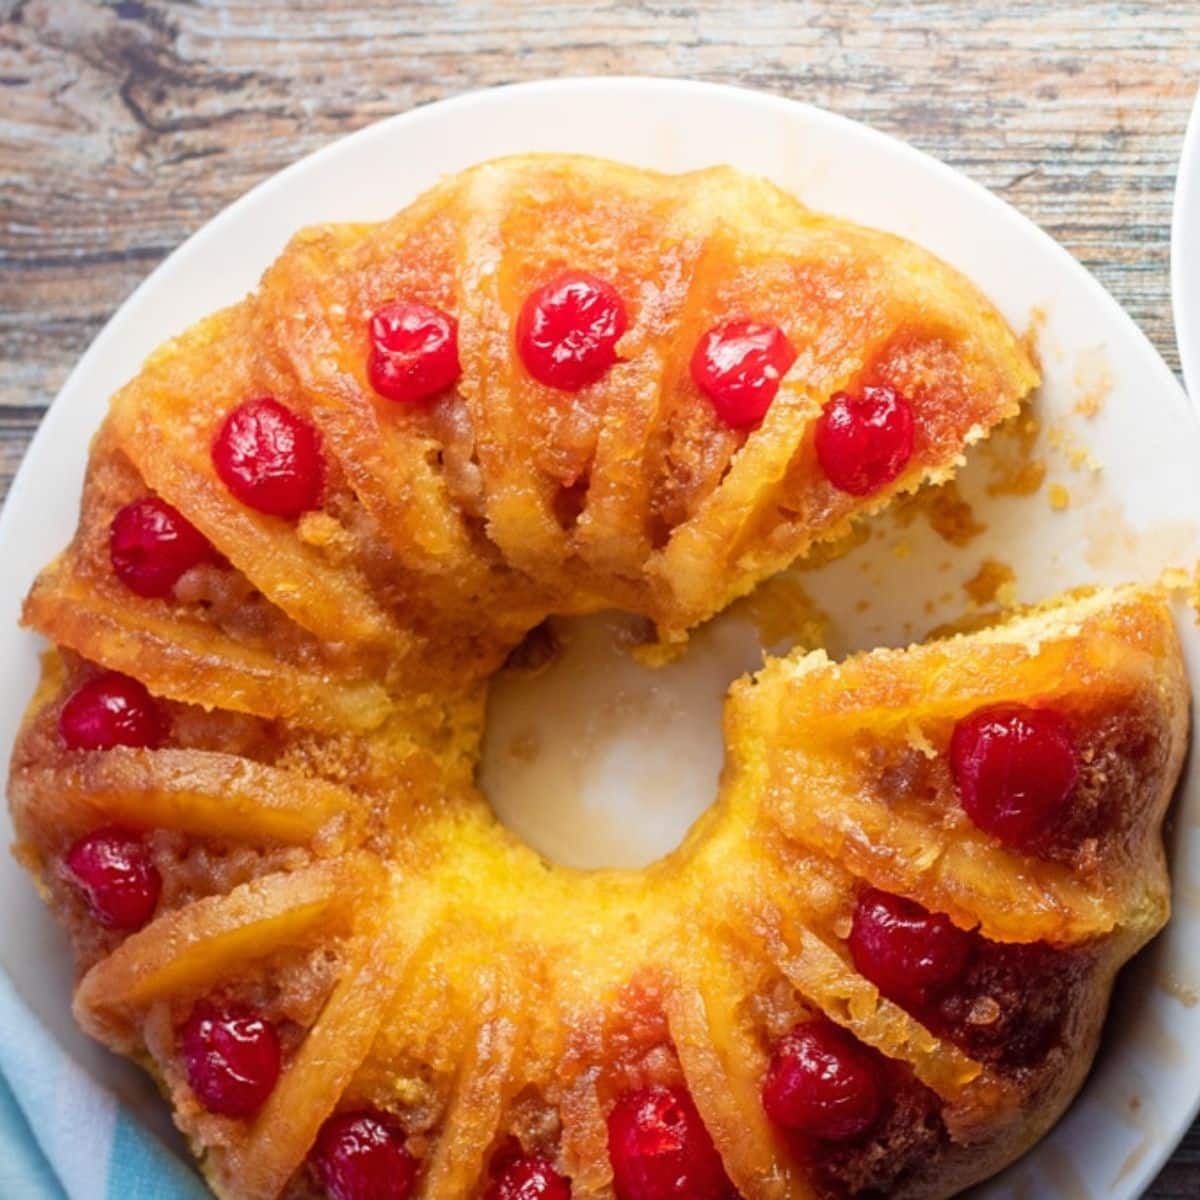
598, 760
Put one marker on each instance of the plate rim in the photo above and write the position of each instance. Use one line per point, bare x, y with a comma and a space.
1165, 384
1185, 236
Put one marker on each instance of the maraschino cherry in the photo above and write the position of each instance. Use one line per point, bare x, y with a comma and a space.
414, 351
910, 954
738, 366
863, 442
232, 1058
362, 1156
567, 330
152, 544
109, 710
270, 458
113, 871
823, 1083
660, 1150
1014, 768
529, 1178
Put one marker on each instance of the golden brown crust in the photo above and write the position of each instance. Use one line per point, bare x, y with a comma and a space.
328, 859
819, 738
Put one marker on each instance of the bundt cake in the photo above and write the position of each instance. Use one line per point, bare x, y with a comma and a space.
317, 522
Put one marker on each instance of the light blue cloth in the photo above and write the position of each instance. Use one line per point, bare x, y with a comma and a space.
63, 1136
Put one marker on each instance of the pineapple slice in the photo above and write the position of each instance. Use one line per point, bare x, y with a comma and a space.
485, 1085
185, 659
193, 947
961, 873
831, 984
199, 792
1100, 643
584, 1139
724, 1068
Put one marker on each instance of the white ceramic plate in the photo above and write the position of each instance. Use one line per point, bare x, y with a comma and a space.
1127, 520
1185, 255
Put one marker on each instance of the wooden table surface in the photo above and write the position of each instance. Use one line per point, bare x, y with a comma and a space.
125, 126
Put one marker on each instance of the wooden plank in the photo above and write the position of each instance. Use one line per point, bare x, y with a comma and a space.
124, 127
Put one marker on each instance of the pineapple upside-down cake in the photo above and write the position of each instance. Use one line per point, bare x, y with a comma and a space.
318, 521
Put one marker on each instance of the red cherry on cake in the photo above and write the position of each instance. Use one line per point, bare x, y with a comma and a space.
660, 1149
863, 442
529, 1179
414, 351
109, 710
113, 871
231, 1056
1014, 768
362, 1156
152, 544
567, 331
910, 954
270, 458
738, 366
823, 1083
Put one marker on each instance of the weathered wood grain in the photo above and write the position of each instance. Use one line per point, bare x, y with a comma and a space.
125, 126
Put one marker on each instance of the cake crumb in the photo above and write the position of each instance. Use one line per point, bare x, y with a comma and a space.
951, 517
658, 652
783, 612
1031, 338
1014, 469
1060, 498
1082, 459
1184, 993
1093, 380
1078, 456
993, 583
1177, 579
948, 514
